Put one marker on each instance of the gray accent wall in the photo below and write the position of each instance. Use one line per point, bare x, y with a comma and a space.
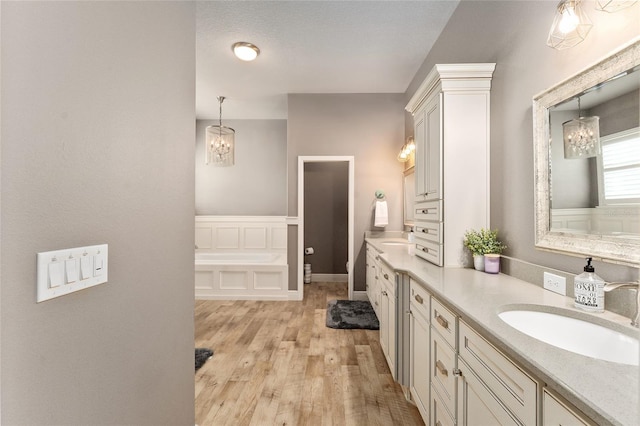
256, 185
366, 126
98, 107
513, 34
326, 209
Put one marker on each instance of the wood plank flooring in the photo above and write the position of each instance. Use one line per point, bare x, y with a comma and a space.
276, 363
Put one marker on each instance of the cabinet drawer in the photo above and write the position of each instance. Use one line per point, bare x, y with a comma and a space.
444, 321
429, 210
555, 412
439, 414
429, 231
419, 300
512, 386
443, 362
388, 277
429, 251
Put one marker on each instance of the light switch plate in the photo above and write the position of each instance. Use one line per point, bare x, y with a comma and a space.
58, 272
555, 283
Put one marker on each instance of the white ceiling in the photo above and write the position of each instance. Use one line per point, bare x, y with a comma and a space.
309, 47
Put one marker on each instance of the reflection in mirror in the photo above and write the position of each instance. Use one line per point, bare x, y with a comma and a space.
590, 204
600, 194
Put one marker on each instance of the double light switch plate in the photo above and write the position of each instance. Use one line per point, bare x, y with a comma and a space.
65, 271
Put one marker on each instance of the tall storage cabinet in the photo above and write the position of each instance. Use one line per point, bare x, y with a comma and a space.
451, 112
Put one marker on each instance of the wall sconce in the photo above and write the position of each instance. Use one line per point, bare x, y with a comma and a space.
570, 25
220, 142
613, 5
407, 149
581, 136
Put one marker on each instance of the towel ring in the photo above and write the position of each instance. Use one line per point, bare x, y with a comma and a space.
380, 194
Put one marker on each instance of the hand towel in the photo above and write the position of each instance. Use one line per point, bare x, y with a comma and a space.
381, 215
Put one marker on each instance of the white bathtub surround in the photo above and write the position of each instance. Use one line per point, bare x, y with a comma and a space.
241, 257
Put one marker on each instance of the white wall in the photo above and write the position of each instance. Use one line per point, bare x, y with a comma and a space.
257, 184
513, 34
98, 112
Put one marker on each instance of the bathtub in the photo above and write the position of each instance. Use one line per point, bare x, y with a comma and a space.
241, 275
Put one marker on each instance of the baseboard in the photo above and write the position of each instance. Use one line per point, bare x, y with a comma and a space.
329, 278
242, 296
360, 295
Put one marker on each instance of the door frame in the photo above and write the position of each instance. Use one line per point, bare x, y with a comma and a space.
302, 160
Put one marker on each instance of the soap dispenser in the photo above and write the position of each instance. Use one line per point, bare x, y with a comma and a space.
589, 290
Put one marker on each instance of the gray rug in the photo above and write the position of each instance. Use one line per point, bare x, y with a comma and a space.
202, 355
351, 314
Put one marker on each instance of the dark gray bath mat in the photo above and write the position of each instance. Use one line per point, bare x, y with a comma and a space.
351, 314
202, 355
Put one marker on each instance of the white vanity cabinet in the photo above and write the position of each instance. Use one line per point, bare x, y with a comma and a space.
451, 132
419, 351
387, 316
373, 286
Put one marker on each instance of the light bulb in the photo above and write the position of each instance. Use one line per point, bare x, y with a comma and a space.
569, 21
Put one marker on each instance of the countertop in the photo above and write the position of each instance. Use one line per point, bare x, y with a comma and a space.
605, 391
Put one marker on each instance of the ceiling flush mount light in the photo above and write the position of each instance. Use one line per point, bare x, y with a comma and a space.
406, 150
581, 136
245, 51
570, 25
613, 5
220, 143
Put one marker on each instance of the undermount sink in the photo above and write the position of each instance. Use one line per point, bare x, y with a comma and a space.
574, 335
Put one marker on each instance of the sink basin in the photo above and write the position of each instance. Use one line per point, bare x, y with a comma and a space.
574, 335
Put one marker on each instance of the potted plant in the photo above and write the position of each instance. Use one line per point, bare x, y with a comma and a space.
482, 243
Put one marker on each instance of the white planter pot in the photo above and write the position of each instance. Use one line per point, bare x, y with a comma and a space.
478, 262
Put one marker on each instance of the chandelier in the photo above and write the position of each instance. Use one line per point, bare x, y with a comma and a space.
570, 25
581, 136
220, 142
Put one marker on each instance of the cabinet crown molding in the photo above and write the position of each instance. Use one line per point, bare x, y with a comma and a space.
451, 77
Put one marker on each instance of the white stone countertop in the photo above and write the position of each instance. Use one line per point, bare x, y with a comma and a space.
605, 391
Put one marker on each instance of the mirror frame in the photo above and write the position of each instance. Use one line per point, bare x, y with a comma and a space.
408, 196
614, 249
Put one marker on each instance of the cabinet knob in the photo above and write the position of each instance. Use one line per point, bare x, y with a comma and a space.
441, 368
424, 230
419, 299
386, 276
384, 293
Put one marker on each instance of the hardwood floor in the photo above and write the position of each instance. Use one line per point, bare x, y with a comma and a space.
276, 363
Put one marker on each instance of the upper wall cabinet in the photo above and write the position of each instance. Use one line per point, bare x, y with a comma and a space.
451, 129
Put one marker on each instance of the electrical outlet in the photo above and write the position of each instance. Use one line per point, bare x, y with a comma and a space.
555, 283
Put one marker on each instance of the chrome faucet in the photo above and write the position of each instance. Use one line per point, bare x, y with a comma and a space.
635, 286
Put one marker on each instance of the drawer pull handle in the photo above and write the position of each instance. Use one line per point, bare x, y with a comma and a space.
424, 230
384, 293
386, 276
457, 372
419, 299
424, 249
441, 369
443, 322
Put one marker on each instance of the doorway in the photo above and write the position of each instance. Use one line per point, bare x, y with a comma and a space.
325, 165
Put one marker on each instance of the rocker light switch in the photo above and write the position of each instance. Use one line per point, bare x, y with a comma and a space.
65, 271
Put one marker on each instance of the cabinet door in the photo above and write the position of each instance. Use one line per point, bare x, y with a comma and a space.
433, 142
370, 278
478, 406
420, 154
383, 318
419, 361
391, 333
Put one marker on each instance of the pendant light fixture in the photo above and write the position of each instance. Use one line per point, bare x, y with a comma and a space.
220, 142
613, 5
570, 25
581, 136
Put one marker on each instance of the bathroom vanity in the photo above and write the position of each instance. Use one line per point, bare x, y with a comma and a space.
461, 364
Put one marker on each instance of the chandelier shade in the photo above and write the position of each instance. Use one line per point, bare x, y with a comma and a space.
581, 136
570, 25
220, 143
613, 5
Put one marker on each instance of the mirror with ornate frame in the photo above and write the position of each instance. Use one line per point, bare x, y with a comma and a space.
572, 214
